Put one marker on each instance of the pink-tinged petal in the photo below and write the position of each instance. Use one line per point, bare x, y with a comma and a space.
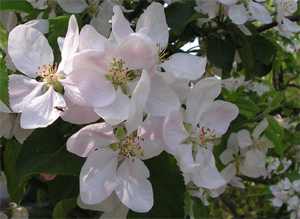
259, 12
186, 160
101, 26
86, 84
22, 89
108, 204
49, 177
229, 172
152, 134
226, 156
137, 53
238, 14
244, 138
228, 2
120, 26
290, 25
236, 182
173, 131
256, 158
162, 99
181, 88
71, 42
233, 143
154, 18
5, 125
98, 176
134, 190
73, 6
19, 133
120, 211
78, 114
25, 46
208, 176
266, 142
116, 112
251, 171
41, 111
200, 98
260, 128
90, 138
185, 66
138, 101
219, 116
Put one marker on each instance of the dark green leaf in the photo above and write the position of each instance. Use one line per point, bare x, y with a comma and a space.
16, 5
245, 104
178, 15
220, 52
58, 28
275, 125
3, 37
271, 135
44, 151
3, 82
260, 70
14, 186
168, 188
187, 203
265, 191
63, 207
294, 175
199, 208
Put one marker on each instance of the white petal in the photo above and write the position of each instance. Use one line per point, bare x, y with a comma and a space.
4, 108
260, 128
19, 133
236, 183
154, 18
251, 171
174, 132
238, 14
8, 19
41, 111
134, 190
101, 26
41, 25
5, 124
229, 172
233, 143
98, 176
91, 137
226, 156
162, 99
208, 176
138, 101
107, 205
290, 25
120, 211
25, 46
116, 112
78, 114
186, 160
200, 98
244, 138
72, 6
259, 12
256, 158
186, 66
219, 116
228, 2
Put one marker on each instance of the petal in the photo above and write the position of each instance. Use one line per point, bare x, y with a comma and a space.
208, 176
256, 158
8, 19
41, 111
138, 101
4, 108
244, 138
218, 116
236, 183
19, 133
120, 211
238, 14
226, 156
229, 172
200, 98
186, 66
259, 12
98, 176
250, 171
5, 124
116, 112
78, 114
134, 190
72, 6
107, 205
228, 2
233, 143
25, 46
41, 25
162, 99
291, 26
154, 18
186, 160
91, 137
260, 128
173, 131
101, 26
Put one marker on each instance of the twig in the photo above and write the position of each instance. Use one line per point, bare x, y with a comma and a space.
256, 180
275, 23
229, 204
138, 8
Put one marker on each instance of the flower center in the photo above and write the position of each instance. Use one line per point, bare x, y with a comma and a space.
47, 73
130, 147
93, 7
161, 53
204, 136
288, 6
258, 144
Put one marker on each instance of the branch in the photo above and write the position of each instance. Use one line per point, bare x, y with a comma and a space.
229, 204
137, 9
289, 84
275, 23
256, 180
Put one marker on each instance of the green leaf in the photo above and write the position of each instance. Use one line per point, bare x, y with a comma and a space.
294, 175
178, 15
3, 37
58, 28
63, 207
265, 191
168, 188
275, 125
16, 5
199, 208
271, 135
44, 151
277, 100
268, 94
187, 203
260, 70
14, 186
3, 82
245, 104
220, 52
